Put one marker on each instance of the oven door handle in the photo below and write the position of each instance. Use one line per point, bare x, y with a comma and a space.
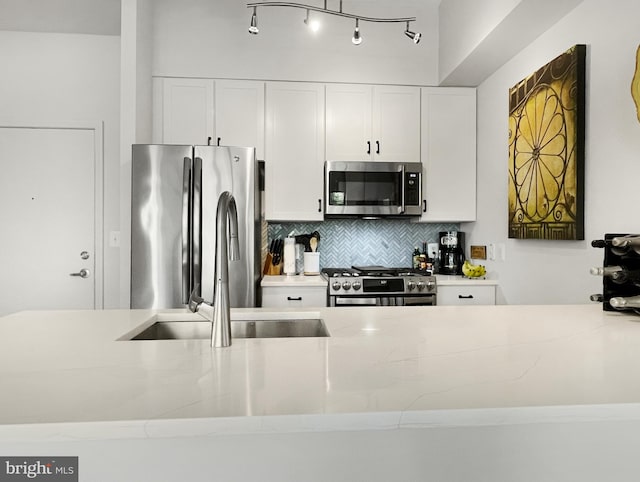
355, 301
402, 205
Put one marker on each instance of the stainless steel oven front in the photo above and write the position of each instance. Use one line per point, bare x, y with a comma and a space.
353, 288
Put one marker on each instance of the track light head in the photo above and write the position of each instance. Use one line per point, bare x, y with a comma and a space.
253, 28
356, 39
314, 25
415, 36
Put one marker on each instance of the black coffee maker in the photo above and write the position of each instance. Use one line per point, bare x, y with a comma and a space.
451, 258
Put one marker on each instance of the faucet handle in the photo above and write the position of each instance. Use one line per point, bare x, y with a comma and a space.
195, 300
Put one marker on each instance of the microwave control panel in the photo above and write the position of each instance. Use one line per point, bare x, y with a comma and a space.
412, 188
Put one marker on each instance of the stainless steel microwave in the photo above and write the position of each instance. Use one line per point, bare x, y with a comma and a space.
372, 189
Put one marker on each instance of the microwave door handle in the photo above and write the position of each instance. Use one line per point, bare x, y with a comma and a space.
402, 205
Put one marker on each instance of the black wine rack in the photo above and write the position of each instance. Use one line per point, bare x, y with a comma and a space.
612, 257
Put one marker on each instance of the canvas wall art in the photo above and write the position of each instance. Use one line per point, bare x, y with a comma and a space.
546, 150
635, 84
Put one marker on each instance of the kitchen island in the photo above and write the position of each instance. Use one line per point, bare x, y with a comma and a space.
402, 393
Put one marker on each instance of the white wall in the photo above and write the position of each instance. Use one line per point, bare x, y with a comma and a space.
463, 26
205, 38
476, 38
558, 271
69, 77
135, 115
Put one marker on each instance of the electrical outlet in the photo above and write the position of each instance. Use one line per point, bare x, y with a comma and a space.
491, 252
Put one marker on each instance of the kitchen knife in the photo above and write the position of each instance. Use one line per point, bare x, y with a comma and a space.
277, 253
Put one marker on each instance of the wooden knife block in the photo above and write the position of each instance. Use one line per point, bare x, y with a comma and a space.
270, 268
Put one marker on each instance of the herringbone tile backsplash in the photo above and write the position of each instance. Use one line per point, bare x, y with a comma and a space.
347, 242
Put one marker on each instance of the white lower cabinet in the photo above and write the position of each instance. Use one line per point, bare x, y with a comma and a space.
466, 295
292, 297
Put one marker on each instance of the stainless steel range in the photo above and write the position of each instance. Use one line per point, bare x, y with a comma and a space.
379, 286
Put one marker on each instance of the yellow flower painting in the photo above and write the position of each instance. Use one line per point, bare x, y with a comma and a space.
546, 151
635, 84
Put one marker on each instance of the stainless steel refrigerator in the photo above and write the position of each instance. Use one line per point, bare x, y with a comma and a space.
175, 191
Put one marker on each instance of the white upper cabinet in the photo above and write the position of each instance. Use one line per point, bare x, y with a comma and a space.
186, 111
239, 114
286, 123
449, 154
380, 123
349, 122
396, 123
294, 151
206, 111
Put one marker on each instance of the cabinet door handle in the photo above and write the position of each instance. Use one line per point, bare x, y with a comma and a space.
319, 205
424, 205
209, 140
219, 139
467, 297
377, 147
368, 147
294, 298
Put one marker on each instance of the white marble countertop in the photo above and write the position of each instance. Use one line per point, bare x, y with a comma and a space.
65, 374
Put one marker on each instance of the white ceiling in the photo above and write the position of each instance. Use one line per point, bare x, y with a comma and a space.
100, 17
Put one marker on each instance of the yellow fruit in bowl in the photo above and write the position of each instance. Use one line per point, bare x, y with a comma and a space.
471, 270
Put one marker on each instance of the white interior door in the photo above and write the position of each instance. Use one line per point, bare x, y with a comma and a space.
48, 250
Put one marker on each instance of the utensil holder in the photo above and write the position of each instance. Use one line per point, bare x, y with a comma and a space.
312, 263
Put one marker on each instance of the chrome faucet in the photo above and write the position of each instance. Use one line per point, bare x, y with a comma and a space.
226, 215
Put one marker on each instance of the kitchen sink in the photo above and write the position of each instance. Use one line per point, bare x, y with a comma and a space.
201, 330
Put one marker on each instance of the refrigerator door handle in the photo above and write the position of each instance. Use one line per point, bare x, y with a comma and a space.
186, 235
196, 230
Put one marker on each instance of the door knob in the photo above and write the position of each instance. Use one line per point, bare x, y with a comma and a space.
83, 273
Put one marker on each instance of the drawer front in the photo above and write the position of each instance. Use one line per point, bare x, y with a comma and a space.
466, 295
286, 297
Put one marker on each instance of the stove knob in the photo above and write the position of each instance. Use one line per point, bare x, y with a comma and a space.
356, 285
346, 285
411, 285
336, 285
431, 285
421, 285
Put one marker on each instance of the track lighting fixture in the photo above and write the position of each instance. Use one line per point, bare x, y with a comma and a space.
314, 25
253, 28
415, 36
357, 39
